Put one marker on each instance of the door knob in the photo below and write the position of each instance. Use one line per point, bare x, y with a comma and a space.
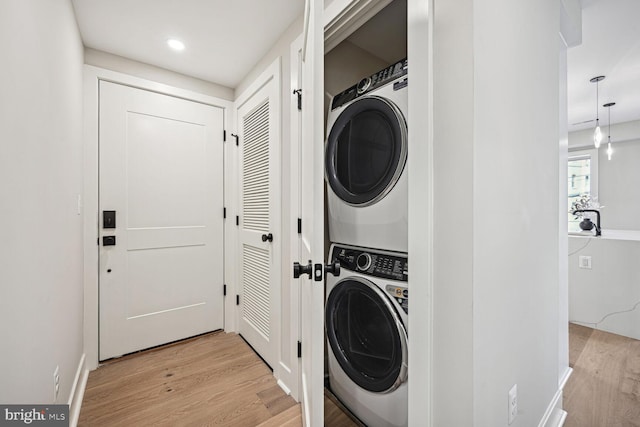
333, 268
268, 237
299, 270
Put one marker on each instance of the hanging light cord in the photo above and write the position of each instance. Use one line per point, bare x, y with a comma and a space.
597, 96
609, 136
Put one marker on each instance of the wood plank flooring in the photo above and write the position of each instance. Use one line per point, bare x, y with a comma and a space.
214, 379
604, 389
335, 415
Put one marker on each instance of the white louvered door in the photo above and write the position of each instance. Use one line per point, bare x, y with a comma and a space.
258, 222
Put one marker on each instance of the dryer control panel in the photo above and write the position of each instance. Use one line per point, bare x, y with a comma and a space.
372, 82
373, 263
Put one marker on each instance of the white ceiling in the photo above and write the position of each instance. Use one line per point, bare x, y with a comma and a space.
610, 47
224, 38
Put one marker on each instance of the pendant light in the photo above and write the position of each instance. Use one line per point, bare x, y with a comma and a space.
609, 150
597, 133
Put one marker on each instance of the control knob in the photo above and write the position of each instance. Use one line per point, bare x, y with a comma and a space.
364, 85
363, 261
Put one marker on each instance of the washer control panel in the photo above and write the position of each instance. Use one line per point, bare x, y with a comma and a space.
400, 294
377, 264
372, 82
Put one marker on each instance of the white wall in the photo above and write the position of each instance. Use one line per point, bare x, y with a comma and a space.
618, 190
612, 285
496, 189
515, 230
40, 180
289, 321
453, 152
120, 64
345, 65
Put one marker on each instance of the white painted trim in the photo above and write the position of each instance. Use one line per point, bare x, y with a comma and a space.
571, 22
77, 392
343, 17
421, 210
555, 416
565, 377
284, 387
306, 414
92, 76
269, 73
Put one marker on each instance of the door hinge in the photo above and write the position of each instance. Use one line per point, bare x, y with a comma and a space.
237, 220
224, 136
299, 93
224, 290
299, 225
98, 241
237, 299
299, 349
224, 212
237, 138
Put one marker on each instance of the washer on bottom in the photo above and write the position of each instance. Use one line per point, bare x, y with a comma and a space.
366, 318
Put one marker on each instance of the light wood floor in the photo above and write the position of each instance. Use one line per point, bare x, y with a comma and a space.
335, 415
213, 380
216, 379
604, 389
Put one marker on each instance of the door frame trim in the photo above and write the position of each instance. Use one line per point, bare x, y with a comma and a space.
91, 77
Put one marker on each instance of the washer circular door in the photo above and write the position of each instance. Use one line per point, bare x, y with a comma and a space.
366, 335
366, 150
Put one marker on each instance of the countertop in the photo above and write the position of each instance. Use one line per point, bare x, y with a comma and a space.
609, 234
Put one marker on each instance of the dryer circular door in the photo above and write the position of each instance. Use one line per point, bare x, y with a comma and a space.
366, 335
366, 150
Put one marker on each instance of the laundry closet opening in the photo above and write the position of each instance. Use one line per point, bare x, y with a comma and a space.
366, 306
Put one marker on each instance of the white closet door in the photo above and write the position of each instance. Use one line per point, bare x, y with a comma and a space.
312, 210
258, 222
161, 171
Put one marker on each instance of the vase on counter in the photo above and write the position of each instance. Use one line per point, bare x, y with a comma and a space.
586, 224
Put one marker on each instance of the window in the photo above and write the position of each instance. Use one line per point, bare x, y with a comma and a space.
583, 179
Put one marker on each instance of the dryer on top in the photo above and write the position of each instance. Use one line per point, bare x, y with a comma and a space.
365, 162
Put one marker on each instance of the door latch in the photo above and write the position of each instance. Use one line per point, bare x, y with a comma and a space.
299, 270
333, 268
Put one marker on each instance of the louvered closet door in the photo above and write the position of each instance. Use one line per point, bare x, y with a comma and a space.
258, 260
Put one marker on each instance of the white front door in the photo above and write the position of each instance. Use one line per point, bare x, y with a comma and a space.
259, 234
161, 249
311, 173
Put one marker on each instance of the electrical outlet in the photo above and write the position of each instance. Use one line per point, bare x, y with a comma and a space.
56, 384
584, 262
513, 403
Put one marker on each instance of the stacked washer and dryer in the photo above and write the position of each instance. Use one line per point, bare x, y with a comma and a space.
366, 311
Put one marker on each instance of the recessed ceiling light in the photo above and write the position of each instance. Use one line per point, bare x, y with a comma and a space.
175, 44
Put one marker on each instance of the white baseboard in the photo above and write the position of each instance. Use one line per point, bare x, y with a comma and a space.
77, 392
555, 416
284, 387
